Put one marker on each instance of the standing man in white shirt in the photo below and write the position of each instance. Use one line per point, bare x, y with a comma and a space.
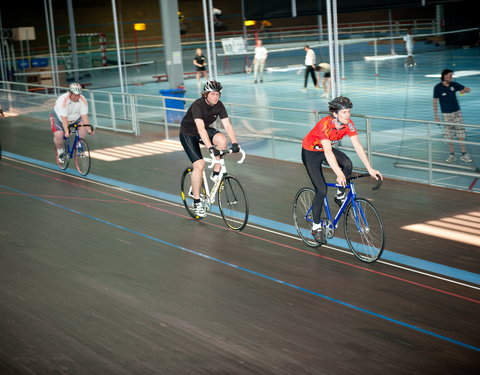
408, 39
259, 59
70, 108
310, 66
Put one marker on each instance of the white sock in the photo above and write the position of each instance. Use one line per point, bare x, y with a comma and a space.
316, 226
60, 150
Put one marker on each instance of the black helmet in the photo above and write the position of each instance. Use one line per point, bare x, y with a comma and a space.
212, 86
340, 102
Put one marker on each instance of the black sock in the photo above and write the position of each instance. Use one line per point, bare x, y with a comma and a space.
196, 200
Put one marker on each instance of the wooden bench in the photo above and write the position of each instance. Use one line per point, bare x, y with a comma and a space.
161, 78
190, 75
164, 77
40, 89
84, 85
49, 89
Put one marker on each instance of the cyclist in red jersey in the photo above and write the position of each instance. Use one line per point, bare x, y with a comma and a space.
317, 149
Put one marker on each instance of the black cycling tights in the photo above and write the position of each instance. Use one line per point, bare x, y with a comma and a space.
313, 163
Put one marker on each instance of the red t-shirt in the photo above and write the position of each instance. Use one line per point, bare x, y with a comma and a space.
325, 129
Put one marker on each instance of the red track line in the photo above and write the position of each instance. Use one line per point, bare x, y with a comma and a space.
261, 239
78, 198
127, 200
473, 183
66, 198
366, 269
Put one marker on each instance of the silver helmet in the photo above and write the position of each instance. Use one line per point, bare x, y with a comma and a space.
75, 88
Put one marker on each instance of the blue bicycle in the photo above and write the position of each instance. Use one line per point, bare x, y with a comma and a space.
362, 225
75, 148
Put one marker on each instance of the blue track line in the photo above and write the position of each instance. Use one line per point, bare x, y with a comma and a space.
404, 260
293, 286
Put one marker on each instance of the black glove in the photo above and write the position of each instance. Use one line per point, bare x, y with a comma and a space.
235, 147
214, 151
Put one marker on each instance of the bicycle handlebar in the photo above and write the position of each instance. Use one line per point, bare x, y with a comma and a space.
226, 152
74, 126
242, 159
377, 185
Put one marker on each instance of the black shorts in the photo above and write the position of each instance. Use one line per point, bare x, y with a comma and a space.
201, 68
327, 75
191, 144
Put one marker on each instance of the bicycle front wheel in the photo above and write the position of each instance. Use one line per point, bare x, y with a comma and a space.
233, 203
303, 215
364, 230
187, 193
82, 157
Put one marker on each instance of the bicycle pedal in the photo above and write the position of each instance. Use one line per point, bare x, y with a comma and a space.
62, 158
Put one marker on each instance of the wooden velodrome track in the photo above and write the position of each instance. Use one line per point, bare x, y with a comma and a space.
108, 275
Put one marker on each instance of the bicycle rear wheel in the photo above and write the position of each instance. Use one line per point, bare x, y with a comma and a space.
303, 215
82, 157
187, 194
364, 230
62, 164
233, 203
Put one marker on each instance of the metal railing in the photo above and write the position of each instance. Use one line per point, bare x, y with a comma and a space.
406, 148
91, 53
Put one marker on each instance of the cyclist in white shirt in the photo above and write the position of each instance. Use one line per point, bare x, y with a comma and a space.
70, 108
310, 66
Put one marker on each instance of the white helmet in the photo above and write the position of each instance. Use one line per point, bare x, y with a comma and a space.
75, 88
212, 86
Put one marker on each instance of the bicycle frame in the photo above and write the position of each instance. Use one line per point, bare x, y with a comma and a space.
350, 198
211, 193
74, 129
69, 150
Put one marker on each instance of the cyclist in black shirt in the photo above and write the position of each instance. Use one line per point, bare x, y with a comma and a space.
195, 130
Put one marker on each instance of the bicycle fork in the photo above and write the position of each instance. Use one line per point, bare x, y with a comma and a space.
358, 214
360, 219
230, 194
